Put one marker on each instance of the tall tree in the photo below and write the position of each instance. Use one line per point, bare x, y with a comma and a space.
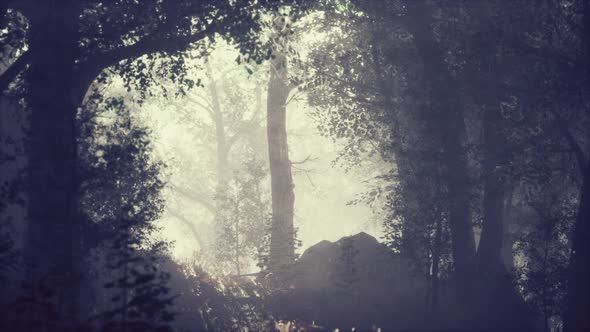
576, 318
90, 36
53, 236
123, 195
282, 242
448, 109
425, 107
227, 128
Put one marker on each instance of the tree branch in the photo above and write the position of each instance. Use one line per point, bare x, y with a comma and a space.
195, 196
190, 225
193, 100
147, 45
240, 132
308, 158
23, 6
17, 66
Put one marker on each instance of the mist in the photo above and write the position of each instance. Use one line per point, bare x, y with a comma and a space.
294, 165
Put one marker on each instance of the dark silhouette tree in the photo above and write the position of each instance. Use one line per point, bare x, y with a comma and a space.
90, 36
121, 199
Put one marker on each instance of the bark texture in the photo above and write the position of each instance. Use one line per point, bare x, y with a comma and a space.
282, 249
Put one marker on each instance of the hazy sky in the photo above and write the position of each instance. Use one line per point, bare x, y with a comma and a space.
321, 192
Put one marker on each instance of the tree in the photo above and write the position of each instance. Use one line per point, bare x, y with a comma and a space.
225, 124
245, 223
434, 110
545, 247
122, 194
578, 288
282, 242
90, 36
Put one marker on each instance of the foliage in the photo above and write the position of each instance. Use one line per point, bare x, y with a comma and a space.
139, 292
371, 89
362, 94
122, 197
545, 248
35, 298
245, 218
8, 252
206, 303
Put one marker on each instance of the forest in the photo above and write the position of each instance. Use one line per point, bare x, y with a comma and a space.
294, 165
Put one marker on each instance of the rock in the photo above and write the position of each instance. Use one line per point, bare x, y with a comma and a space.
355, 281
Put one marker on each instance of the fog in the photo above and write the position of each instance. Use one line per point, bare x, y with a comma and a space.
323, 188
294, 165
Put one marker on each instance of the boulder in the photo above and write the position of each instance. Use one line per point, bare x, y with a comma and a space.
355, 281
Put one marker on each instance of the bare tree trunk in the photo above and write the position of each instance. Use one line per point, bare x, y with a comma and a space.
282, 248
220, 137
237, 245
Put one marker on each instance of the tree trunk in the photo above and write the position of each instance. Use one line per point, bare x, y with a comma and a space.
52, 245
282, 248
387, 89
509, 232
237, 240
490, 245
578, 301
576, 316
487, 91
223, 173
435, 281
447, 110
220, 136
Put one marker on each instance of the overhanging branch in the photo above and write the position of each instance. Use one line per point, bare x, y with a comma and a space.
10, 74
190, 226
147, 45
199, 198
